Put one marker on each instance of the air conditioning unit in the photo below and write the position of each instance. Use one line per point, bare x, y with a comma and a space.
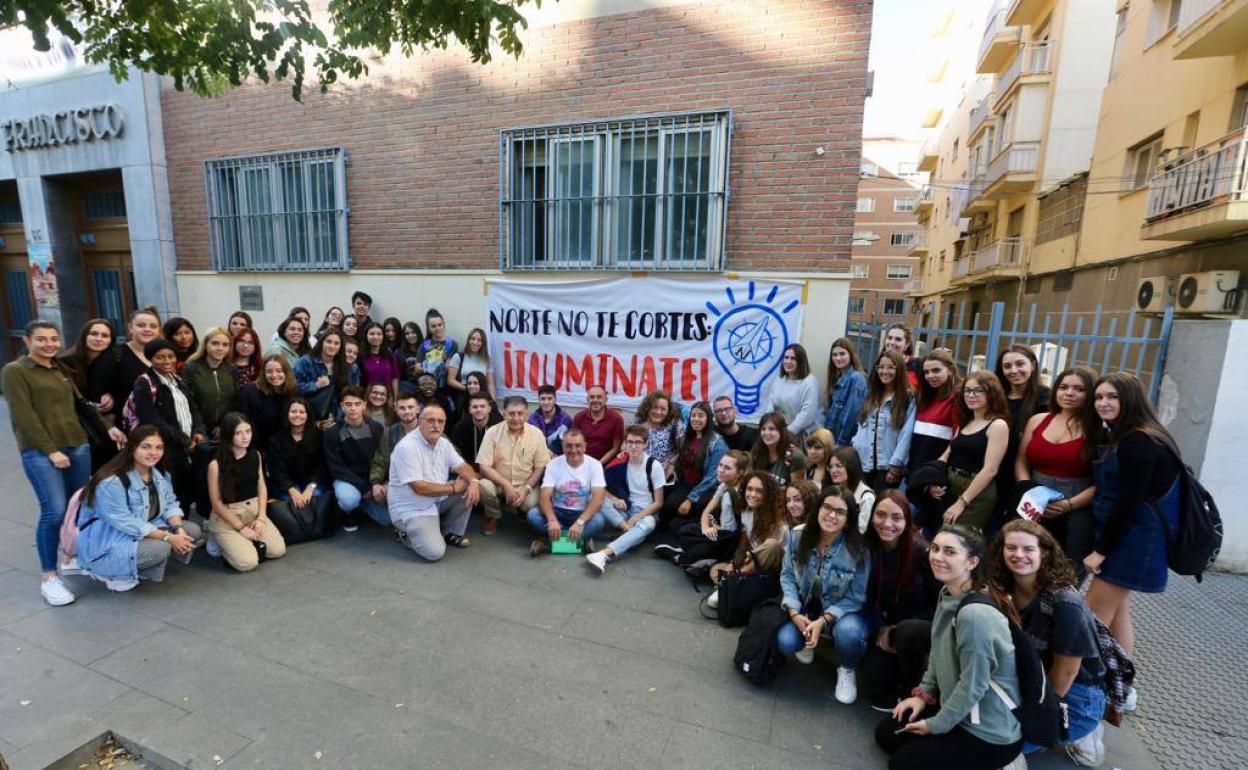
1214, 291
1154, 294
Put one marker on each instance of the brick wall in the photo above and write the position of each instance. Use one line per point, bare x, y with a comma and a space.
422, 134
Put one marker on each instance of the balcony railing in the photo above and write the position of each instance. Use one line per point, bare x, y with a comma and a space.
914, 286
981, 112
1016, 158
962, 266
1194, 11
1007, 252
992, 28
1215, 173
1032, 59
919, 243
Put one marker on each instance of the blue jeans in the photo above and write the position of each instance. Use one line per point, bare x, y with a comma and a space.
537, 520
635, 534
1085, 705
849, 633
350, 498
53, 487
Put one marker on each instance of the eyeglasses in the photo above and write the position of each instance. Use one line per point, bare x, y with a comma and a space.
841, 512
634, 441
974, 392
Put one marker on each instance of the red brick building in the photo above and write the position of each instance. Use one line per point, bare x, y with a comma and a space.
699, 137
888, 239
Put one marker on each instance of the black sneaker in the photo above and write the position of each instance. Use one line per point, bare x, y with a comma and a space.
350, 522
884, 701
669, 552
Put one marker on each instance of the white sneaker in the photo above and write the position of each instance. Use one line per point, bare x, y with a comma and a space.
1132, 701
71, 567
712, 601
599, 561
805, 655
55, 593
846, 685
213, 548
1088, 751
121, 585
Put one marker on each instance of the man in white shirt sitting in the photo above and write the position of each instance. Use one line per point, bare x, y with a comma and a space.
572, 493
430, 511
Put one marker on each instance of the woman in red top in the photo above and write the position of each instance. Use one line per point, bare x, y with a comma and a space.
1056, 452
936, 418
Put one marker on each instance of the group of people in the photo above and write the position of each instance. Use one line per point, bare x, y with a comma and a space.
869, 498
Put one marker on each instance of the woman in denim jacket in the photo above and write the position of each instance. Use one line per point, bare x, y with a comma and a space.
130, 522
323, 373
825, 596
886, 424
847, 390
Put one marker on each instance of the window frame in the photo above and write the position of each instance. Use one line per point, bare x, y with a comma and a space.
890, 301
860, 270
906, 240
860, 303
899, 272
612, 195
869, 208
1149, 149
233, 186
899, 204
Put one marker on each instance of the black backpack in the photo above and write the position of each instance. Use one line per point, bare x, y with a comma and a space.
1193, 548
758, 657
1041, 714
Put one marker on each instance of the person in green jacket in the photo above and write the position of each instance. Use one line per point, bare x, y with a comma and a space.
212, 380
957, 717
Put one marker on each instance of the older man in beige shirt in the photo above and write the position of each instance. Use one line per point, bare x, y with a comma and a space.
512, 457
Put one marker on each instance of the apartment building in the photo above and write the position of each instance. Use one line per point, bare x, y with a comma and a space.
1026, 130
1167, 196
888, 239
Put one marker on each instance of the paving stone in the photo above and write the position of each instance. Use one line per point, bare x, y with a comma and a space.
19, 595
85, 630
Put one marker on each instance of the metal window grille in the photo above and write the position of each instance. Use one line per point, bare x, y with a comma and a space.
857, 305
280, 211
104, 204
646, 193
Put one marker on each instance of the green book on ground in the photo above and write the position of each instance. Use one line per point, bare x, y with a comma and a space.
565, 545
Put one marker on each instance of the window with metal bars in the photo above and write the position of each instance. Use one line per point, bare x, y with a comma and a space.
634, 193
279, 211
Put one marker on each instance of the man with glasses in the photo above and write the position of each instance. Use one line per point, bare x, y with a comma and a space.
512, 456
638, 487
736, 436
429, 510
603, 428
573, 489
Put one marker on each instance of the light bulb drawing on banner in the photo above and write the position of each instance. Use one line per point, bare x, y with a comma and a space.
749, 340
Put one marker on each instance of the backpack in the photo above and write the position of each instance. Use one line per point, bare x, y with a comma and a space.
1195, 546
69, 525
129, 413
1119, 672
1041, 715
616, 476
758, 657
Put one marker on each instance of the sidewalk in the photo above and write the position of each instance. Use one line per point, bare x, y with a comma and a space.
350, 653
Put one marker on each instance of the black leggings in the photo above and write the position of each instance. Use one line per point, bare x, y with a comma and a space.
898, 673
954, 750
697, 546
672, 522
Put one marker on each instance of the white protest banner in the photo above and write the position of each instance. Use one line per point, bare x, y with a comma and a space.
697, 338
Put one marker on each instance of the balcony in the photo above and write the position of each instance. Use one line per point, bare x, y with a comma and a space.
913, 287
981, 115
927, 200
999, 43
918, 247
1013, 170
961, 267
929, 156
975, 200
1211, 28
998, 261
1024, 12
1201, 195
1030, 66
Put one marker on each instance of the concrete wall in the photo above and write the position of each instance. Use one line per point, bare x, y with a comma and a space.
208, 298
1203, 396
1081, 66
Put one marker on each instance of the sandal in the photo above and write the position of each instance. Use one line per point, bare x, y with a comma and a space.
459, 541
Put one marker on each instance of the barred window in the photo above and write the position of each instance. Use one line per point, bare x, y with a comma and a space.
279, 211
633, 193
104, 204
857, 305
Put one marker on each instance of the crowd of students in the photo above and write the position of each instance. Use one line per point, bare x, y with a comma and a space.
869, 498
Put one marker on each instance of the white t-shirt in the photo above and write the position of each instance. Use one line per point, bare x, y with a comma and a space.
466, 363
414, 460
573, 486
639, 495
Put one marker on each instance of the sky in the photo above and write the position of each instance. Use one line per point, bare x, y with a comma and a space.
898, 38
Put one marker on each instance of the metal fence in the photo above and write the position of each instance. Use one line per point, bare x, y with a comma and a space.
1105, 341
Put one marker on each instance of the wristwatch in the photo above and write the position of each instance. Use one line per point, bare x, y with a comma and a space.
167, 536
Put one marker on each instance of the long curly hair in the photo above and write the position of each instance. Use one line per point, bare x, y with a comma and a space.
877, 391
769, 516
1056, 571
